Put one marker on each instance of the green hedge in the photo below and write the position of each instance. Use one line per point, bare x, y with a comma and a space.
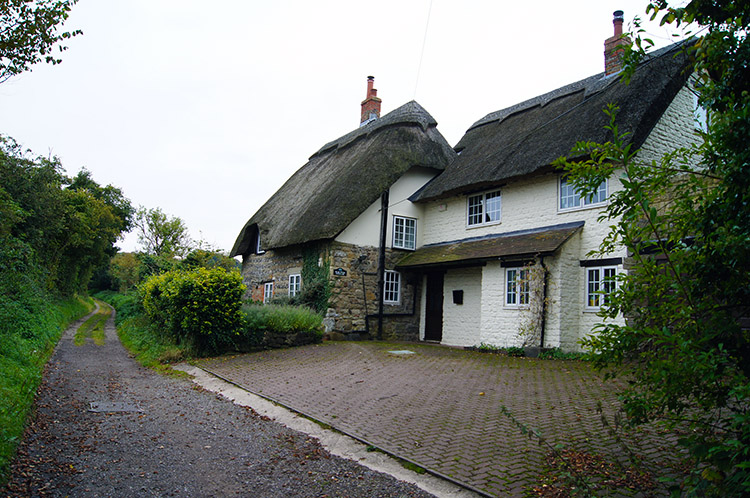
273, 326
200, 307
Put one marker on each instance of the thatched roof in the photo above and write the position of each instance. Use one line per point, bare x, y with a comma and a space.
526, 138
530, 243
345, 177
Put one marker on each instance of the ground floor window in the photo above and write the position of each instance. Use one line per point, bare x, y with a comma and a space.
267, 292
517, 287
295, 284
600, 282
392, 287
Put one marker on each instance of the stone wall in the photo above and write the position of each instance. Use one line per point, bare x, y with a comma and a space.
354, 300
353, 306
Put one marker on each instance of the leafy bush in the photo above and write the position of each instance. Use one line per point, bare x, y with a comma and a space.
199, 307
515, 351
275, 326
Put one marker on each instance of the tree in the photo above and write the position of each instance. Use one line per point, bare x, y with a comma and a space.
685, 347
29, 33
161, 234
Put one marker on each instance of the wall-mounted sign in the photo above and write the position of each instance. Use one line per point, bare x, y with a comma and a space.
339, 272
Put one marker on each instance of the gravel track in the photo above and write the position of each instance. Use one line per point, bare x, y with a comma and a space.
176, 440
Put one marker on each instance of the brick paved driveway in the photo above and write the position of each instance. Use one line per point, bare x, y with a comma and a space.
442, 407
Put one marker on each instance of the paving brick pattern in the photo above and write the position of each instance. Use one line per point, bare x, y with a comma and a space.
442, 407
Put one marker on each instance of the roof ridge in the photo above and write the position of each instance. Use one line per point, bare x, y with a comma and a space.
591, 85
409, 113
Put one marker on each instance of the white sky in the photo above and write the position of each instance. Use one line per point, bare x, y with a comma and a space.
205, 108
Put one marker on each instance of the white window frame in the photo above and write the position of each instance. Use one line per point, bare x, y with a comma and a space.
267, 292
295, 284
392, 287
517, 287
600, 282
258, 249
573, 199
401, 230
473, 218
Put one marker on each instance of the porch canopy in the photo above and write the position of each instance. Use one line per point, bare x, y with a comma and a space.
520, 244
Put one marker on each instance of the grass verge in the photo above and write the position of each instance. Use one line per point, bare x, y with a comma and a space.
23, 356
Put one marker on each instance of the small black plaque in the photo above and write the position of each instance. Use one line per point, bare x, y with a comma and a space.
339, 272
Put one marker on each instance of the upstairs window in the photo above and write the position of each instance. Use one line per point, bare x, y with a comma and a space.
483, 209
517, 287
600, 282
404, 233
392, 287
295, 284
571, 199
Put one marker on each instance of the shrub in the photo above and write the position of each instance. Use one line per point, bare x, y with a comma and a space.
200, 307
273, 326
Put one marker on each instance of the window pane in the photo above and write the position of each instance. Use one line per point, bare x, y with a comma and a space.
510, 294
492, 207
608, 285
391, 287
404, 233
475, 210
523, 287
593, 287
600, 195
410, 233
569, 198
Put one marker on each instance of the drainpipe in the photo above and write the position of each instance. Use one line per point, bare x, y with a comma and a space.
381, 259
544, 302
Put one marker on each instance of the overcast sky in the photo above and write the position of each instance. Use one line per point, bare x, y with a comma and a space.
204, 109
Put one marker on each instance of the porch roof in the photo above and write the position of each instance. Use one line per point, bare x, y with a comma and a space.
534, 242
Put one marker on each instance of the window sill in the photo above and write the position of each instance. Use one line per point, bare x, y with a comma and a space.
482, 225
581, 208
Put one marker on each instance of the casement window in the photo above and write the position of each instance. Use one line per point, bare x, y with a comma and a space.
258, 249
517, 287
295, 284
600, 282
267, 292
392, 287
571, 199
404, 233
483, 209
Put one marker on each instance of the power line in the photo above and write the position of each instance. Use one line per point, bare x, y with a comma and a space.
421, 55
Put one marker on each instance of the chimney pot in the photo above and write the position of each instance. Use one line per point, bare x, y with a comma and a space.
614, 46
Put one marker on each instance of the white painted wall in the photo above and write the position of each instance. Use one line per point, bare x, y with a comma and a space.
533, 202
365, 229
462, 322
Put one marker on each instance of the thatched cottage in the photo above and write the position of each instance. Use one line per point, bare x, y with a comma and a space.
339, 211
487, 244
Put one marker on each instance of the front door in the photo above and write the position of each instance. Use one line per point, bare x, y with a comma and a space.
433, 321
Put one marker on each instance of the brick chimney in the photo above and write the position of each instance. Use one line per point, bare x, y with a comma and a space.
371, 104
614, 47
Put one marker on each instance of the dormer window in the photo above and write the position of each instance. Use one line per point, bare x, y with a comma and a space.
258, 249
571, 199
483, 209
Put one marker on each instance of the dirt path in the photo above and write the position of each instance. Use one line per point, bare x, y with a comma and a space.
107, 427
